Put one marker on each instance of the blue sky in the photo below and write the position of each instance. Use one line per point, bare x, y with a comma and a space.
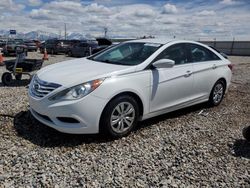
222, 19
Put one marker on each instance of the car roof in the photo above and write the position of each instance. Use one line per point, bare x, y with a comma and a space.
161, 40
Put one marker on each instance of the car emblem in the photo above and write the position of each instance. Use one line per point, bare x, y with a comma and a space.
37, 86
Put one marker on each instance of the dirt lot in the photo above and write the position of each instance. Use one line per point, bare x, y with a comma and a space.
197, 146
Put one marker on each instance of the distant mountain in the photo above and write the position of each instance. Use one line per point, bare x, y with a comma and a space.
4, 33
41, 35
76, 36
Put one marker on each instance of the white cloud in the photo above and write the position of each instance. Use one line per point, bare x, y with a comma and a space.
206, 13
144, 13
95, 8
9, 5
35, 3
227, 2
188, 21
64, 6
41, 14
169, 9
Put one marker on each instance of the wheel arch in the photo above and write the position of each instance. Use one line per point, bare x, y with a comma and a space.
220, 79
129, 93
224, 81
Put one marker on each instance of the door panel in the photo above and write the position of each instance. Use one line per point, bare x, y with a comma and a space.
171, 87
205, 70
205, 77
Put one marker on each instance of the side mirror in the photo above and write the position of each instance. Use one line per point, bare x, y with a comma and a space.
164, 63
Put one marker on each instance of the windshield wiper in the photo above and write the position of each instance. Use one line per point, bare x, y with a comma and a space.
110, 62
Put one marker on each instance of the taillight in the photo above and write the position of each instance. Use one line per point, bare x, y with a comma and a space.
231, 66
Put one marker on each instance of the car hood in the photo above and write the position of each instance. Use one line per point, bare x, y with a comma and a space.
77, 71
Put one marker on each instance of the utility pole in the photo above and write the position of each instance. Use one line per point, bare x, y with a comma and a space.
65, 31
60, 34
105, 32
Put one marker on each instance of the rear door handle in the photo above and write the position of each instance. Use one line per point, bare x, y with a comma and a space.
214, 66
188, 73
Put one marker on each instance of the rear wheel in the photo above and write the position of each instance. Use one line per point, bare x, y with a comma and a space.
6, 78
120, 116
53, 51
217, 93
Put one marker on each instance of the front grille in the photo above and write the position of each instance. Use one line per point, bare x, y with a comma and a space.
41, 88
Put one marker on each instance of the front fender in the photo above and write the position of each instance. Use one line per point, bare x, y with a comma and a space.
137, 83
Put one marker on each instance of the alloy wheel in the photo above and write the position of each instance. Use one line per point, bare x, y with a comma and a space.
122, 117
218, 93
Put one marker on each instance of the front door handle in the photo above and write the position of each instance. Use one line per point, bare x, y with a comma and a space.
214, 66
188, 73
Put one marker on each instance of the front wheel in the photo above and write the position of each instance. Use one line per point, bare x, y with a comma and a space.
120, 116
217, 93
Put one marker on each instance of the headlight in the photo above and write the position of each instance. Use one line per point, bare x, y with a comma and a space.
78, 91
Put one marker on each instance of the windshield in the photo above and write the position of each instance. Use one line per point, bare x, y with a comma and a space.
131, 53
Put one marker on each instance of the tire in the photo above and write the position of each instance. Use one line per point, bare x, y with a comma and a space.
53, 52
123, 122
18, 77
6, 78
246, 133
217, 93
70, 54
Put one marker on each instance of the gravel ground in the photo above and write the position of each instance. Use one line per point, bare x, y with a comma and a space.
197, 146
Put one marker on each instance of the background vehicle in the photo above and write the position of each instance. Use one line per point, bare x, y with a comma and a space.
136, 80
88, 47
31, 45
11, 45
82, 49
102, 44
55, 46
20, 66
2, 43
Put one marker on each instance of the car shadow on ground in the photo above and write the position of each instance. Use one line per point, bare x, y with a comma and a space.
17, 83
241, 148
39, 134
174, 114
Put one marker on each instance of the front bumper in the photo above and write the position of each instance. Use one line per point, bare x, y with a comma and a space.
86, 111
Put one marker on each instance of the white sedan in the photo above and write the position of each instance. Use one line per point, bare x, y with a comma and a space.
114, 89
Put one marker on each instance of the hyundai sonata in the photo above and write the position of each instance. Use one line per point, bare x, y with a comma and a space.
114, 89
